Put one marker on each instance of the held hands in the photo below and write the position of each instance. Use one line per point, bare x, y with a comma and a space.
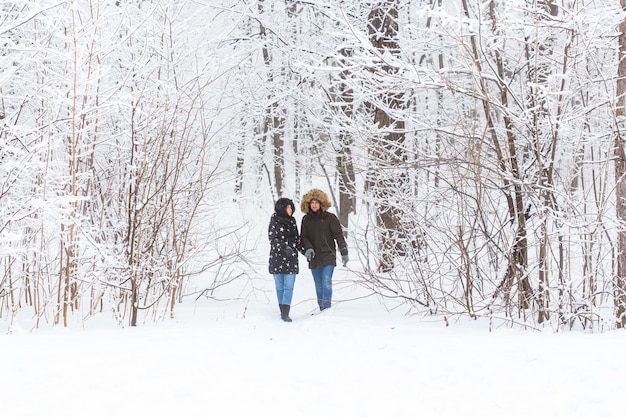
344, 259
310, 254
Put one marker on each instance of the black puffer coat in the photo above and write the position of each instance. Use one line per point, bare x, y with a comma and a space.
321, 230
283, 234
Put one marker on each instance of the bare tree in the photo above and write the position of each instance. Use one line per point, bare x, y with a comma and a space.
620, 180
345, 162
386, 149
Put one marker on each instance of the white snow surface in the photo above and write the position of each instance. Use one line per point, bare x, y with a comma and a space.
359, 358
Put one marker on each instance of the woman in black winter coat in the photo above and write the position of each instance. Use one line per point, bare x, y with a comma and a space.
284, 247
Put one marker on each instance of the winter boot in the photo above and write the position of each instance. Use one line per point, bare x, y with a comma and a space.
284, 312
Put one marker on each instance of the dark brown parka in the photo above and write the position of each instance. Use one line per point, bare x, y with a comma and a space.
320, 230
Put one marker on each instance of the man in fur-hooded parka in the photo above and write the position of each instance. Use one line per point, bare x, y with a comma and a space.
320, 230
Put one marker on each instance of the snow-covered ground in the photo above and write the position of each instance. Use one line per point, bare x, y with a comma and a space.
236, 358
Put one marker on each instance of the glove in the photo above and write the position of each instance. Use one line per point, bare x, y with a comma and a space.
288, 251
310, 254
344, 259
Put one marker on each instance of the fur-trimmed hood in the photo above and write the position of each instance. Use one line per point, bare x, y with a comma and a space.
315, 194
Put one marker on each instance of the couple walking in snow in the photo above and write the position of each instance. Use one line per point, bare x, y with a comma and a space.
319, 231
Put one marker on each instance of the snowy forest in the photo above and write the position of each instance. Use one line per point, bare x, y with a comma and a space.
472, 149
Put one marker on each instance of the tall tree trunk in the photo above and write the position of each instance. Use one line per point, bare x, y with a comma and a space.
386, 148
620, 172
274, 123
538, 52
345, 164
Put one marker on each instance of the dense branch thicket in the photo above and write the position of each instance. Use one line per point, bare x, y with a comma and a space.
108, 151
469, 147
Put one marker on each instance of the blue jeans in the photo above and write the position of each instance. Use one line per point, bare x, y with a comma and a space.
284, 287
323, 278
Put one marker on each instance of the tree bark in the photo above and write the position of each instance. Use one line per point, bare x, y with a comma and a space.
620, 183
386, 149
345, 164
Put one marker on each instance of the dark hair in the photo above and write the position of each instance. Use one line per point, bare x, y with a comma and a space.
281, 206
